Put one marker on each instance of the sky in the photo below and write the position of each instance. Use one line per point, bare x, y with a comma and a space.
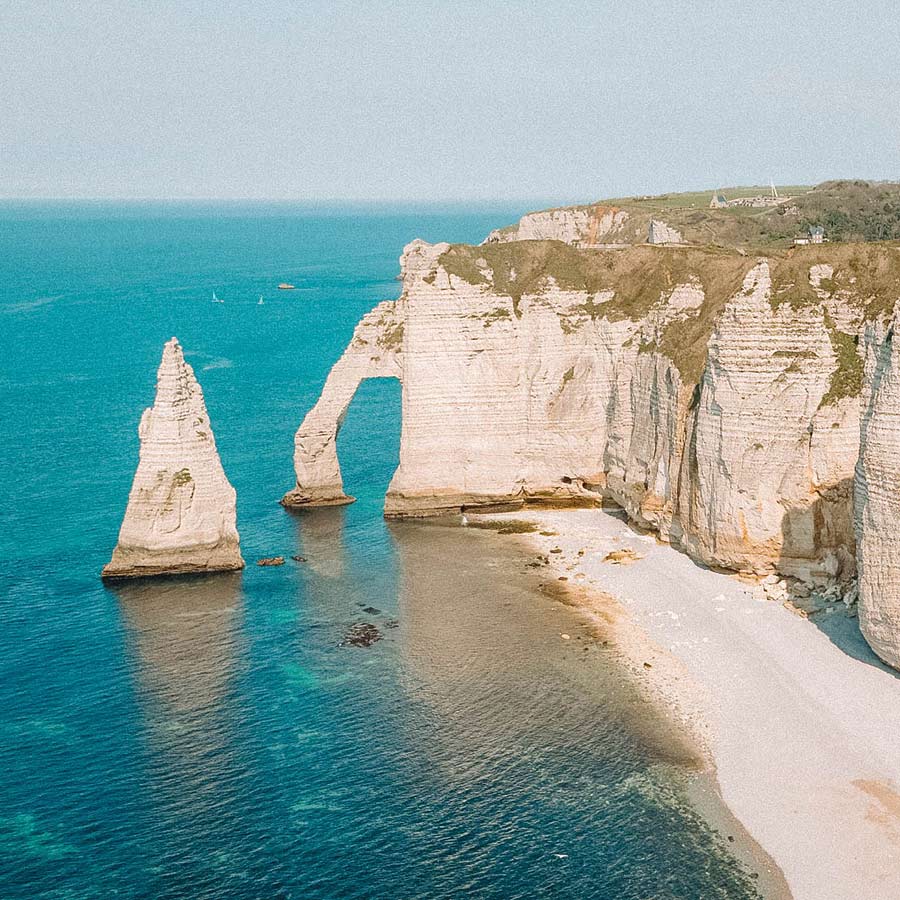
442, 101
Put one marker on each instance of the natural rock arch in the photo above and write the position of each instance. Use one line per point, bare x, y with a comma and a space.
374, 352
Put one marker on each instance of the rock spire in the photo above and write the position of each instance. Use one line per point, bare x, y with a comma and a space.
181, 510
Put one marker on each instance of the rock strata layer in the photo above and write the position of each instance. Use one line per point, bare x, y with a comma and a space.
181, 510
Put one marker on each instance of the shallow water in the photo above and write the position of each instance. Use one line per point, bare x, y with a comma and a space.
209, 737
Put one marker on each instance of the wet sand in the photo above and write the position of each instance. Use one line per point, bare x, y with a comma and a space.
802, 735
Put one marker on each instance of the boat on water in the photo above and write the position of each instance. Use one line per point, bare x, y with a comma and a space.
215, 299
284, 286
260, 303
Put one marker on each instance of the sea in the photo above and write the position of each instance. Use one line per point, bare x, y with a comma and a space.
215, 737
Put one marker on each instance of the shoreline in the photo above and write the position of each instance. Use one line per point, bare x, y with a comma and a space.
678, 703
800, 733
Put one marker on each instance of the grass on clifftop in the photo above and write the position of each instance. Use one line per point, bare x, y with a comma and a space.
864, 275
868, 275
848, 210
637, 275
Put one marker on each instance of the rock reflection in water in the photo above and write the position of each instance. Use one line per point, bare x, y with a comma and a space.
185, 636
483, 651
349, 574
320, 538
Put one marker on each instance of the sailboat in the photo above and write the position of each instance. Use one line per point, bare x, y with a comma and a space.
260, 300
215, 299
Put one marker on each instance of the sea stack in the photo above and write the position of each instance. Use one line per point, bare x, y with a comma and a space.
181, 510
877, 496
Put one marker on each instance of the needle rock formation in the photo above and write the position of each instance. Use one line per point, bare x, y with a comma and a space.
181, 510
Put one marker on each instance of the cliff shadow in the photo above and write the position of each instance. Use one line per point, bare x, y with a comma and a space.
828, 522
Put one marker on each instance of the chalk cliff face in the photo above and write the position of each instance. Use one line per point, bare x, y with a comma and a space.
181, 510
877, 495
765, 482
660, 233
713, 396
572, 225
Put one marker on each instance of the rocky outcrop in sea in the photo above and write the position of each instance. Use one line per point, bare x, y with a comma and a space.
181, 514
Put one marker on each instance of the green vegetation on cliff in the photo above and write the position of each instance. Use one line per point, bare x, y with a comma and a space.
637, 276
848, 211
866, 276
847, 377
722, 245
854, 210
627, 283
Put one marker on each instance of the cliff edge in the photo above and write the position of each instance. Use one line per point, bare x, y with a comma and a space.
877, 495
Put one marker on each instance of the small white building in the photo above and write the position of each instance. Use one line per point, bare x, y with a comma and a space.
815, 235
718, 201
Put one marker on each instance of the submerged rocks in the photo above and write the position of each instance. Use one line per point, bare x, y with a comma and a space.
271, 561
181, 514
361, 634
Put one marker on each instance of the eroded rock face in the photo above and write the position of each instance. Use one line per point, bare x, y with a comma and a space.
659, 232
769, 468
877, 496
573, 225
706, 393
181, 510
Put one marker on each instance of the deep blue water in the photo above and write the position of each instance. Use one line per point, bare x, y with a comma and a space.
208, 738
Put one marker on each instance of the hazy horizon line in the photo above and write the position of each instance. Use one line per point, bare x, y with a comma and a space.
570, 199
356, 201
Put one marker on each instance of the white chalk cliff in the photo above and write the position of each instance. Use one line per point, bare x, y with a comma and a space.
660, 233
715, 397
877, 496
571, 225
181, 510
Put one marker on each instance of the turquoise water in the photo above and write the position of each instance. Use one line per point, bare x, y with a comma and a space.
209, 738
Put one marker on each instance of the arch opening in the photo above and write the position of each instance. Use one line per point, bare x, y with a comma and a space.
368, 440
